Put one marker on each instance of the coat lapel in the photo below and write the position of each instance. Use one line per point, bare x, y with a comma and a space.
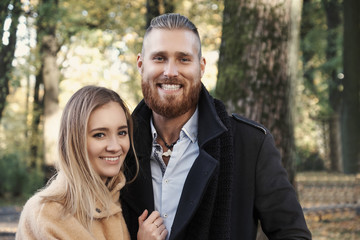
193, 191
139, 194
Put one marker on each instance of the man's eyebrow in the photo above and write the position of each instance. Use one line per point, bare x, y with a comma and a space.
154, 53
163, 53
186, 54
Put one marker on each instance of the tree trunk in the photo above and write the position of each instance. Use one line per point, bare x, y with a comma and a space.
335, 142
52, 114
50, 75
7, 51
36, 139
350, 120
4, 11
332, 10
254, 72
152, 10
293, 78
155, 8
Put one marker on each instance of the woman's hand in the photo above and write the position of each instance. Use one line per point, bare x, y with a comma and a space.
151, 228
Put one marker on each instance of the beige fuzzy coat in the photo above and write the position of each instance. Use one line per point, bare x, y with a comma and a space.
44, 220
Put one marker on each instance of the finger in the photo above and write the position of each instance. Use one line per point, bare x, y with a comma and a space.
153, 216
163, 234
161, 228
158, 222
142, 217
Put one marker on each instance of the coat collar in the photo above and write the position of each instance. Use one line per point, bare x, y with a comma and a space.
210, 125
114, 208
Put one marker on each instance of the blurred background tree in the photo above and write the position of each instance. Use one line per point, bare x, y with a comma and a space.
9, 16
327, 34
59, 46
157, 7
254, 66
350, 118
48, 74
321, 46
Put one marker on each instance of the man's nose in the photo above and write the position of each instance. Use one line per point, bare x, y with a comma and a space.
171, 69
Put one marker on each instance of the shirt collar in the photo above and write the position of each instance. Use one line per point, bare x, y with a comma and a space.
153, 130
190, 129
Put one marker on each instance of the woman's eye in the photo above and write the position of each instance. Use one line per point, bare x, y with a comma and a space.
98, 135
123, 133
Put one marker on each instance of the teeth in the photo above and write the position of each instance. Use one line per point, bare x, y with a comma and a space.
111, 158
170, 86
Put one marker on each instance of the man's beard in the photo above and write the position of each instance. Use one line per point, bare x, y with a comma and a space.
170, 108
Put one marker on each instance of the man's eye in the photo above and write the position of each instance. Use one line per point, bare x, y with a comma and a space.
185, 60
159, 59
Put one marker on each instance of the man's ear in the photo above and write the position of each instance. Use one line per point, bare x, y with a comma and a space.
202, 65
139, 63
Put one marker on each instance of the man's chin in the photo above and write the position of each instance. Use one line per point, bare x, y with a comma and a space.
169, 111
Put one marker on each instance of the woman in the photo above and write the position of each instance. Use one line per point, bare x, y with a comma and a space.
82, 201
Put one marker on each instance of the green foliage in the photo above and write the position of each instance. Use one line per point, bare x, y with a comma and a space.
15, 178
314, 41
19, 176
207, 16
48, 17
313, 44
7, 49
308, 160
321, 57
119, 16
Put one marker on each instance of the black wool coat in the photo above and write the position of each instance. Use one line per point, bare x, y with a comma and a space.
236, 181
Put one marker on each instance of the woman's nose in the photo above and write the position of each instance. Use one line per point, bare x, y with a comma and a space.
113, 145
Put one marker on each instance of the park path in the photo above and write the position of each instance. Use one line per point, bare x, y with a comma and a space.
9, 217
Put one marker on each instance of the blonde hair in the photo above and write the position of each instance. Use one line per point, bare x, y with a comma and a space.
83, 186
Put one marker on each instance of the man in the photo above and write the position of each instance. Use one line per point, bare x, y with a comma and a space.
210, 175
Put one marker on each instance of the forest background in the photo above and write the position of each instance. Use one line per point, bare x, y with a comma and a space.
289, 64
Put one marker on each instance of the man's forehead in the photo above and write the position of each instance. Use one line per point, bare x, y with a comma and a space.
165, 31
174, 38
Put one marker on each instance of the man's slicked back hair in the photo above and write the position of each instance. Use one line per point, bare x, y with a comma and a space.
172, 21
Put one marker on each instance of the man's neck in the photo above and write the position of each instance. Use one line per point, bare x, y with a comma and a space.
169, 128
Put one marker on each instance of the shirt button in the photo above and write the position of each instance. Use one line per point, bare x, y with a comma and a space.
166, 180
165, 215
